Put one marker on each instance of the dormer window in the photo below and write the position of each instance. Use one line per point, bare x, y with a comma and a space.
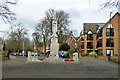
110, 30
89, 35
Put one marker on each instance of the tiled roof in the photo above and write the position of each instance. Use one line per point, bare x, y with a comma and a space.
91, 26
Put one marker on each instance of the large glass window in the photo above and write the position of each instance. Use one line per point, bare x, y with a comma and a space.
110, 43
90, 45
89, 37
109, 52
100, 51
82, 46
110, 32
99, 43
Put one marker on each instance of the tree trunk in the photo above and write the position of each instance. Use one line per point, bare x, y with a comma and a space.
44, 46
18, 52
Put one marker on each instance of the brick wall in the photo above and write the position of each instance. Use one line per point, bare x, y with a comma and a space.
114, 22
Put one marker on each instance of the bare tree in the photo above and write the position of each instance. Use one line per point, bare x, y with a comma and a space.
17, 36
5, 13
45, 25
44, 31
37, 40
62, 19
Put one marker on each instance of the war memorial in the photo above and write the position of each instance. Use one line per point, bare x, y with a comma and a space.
53, 57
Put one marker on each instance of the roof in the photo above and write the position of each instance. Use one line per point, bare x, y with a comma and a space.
112, 18
91, 27
70, 37
77, 38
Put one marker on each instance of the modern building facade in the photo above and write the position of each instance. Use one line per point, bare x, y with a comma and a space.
102, 37
108, 37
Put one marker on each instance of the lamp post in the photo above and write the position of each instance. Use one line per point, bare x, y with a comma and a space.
109, 57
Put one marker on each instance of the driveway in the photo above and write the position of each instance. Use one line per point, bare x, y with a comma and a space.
18, 68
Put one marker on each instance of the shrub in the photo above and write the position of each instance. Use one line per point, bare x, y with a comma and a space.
92, 54
87, 54
83, 55
79, 51
100, 54
42, 53
71, 51
116, 55
64, 47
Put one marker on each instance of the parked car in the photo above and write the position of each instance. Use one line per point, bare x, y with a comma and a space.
12, 53
20, 54
60, 54
63, 54
23, 54
38, 54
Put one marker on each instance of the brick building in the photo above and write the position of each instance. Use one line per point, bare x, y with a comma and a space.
88, 37
103, 37
108, 39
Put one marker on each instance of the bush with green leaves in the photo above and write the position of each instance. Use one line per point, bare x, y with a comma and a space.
116, 55
71, 51
87, 54
92, 54
100, 54
83, 55
79, 51
64, 47
42, 53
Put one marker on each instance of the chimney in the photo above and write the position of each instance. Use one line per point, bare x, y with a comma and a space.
70, 33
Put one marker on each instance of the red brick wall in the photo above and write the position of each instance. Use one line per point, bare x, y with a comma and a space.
71, 42
99, 57
114, 22
119, 35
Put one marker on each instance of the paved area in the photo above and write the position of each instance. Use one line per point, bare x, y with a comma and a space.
12, 57
18, 68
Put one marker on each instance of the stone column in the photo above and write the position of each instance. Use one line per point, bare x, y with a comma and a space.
75, 57
29, 57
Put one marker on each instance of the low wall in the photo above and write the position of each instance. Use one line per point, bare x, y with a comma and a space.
99, 57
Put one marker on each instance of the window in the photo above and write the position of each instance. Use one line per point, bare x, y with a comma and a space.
82, 37
89, 51
99, 33
109, 52
89, 37
99, 43
82, 46
110, 32
110, 43
100, 51
90, 45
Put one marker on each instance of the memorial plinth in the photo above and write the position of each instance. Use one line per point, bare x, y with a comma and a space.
54, 47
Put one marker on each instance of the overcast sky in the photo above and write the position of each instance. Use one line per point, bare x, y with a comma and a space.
29, 12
